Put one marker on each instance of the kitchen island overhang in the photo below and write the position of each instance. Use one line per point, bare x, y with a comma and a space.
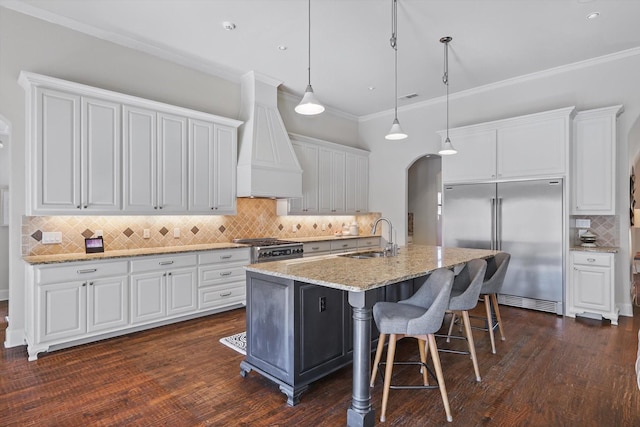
309, 317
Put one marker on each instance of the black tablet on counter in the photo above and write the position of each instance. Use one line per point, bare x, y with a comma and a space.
93, 245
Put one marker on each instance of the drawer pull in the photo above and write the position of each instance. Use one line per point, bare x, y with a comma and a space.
165, 262
225, 273
345, 245
315, 248
225, 256
88, 270
226, 294
591, 259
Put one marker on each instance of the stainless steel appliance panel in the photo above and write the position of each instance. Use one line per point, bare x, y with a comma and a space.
467, 215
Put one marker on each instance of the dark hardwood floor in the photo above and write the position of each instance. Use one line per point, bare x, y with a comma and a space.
551, 371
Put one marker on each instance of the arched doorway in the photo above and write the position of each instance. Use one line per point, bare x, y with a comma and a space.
424, 201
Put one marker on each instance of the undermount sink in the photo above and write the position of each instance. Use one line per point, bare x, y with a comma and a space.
365, 255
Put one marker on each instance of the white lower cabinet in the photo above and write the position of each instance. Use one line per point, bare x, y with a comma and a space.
77, 302
591, 289
336, 246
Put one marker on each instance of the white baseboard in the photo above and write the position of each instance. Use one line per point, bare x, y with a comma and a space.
4, 294
14, 338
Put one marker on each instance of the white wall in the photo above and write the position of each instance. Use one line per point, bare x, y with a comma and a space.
590, 85
30, 44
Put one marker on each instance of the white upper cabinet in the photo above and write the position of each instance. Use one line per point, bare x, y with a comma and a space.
594, 162
529, 146
212, 177
155, 161
93, 151
335, 179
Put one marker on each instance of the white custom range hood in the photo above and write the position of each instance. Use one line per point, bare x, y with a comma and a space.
267, 164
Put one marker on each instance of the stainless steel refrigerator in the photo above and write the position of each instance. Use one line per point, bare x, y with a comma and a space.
523, 218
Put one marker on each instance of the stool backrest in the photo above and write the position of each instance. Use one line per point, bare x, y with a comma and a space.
496, 271
434, 296
467, 285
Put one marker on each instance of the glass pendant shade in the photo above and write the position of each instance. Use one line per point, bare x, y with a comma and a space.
396, 131
447, 148
309, 105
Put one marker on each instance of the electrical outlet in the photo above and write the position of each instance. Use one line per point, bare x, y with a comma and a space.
98, 233
145, 233
176, 233
293, 228
322, 306
323, 227
51, 237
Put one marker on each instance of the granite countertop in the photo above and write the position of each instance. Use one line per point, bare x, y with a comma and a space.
352, 274
328, 238
53, 259
607, 249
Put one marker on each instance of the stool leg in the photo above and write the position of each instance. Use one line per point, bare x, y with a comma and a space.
391, 350
472, 345
487, 305
376, 361
497, 310
453, 320
423, 359
436, 362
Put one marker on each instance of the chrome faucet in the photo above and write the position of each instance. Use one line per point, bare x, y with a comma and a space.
392, 248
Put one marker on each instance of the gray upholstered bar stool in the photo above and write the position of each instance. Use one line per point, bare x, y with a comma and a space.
464, 297
494, 278
418, 317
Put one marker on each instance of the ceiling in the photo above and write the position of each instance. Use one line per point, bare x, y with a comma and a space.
493, 40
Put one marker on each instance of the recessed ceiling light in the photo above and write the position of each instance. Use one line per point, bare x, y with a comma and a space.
229, 26
593, 15
371, 88
282, 47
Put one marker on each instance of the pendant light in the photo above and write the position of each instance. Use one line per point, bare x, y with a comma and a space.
396, 132
309, 105
447, 147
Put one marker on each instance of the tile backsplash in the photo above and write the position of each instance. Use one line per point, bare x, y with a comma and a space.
605, 227
254, 218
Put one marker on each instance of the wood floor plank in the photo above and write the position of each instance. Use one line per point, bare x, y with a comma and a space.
550, 370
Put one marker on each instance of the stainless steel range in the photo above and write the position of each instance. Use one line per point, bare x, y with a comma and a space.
271, 249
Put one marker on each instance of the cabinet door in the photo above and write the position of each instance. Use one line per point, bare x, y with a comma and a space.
338, 182
172, 163
224, 176
476, 157
107, 304
594, 165
181, 291
148, 297
324, 181
140, 164
351, 171
201, 166
56, 184
362, 184
101, 173
592, 288
308, 158
537, 148
62, 311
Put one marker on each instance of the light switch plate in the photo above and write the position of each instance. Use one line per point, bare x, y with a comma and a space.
583, 223
176, 233
145, 233
51, 237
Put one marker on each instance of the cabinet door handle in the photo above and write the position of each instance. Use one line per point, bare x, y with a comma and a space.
225, 256
88, 270
226, 294
164, 275
225, 273
160, 207
345, 245
591, 259
315, 248
84, 284
169, 273
90, 283
165, 262
86, 206
78, 207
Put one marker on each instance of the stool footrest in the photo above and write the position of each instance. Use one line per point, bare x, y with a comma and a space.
410, 387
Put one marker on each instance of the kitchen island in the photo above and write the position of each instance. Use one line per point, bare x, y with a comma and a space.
299, 327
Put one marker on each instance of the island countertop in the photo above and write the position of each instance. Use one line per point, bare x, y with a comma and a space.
350, 274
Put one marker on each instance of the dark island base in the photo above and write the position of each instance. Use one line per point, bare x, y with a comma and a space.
298, 333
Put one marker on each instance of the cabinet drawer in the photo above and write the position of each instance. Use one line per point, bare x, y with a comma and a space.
80, 271
160, 263
316, 247
591, 258
213, 275
369, 242
218, 296
344, 244
224, 256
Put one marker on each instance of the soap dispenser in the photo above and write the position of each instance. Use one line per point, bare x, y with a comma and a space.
353, 229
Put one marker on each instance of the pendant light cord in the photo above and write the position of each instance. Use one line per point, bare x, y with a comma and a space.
445, 78
394, 45
309, 43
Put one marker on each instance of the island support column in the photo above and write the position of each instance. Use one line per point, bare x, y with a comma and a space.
361, 413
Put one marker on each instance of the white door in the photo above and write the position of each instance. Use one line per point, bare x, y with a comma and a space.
107, 304
172, 163
57, 152
101, 148
62, 310
148, 297
140, 164
591, 288
182, 291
